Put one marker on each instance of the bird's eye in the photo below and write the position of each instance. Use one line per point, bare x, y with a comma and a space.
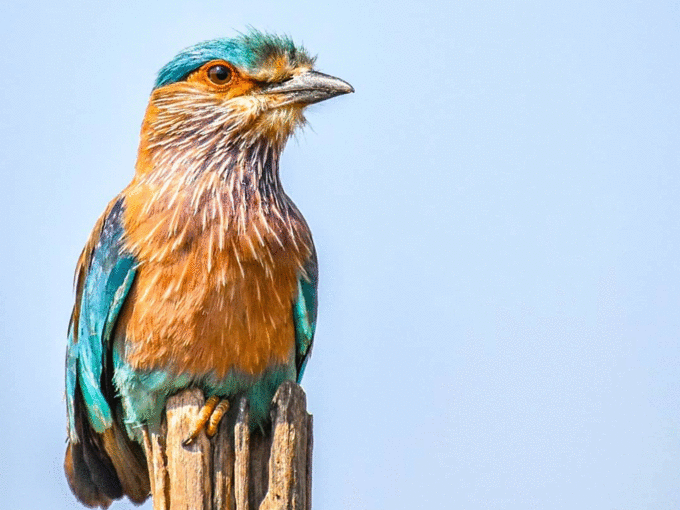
219, 74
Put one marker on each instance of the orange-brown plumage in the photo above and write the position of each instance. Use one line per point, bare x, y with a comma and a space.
213, 289
219, 260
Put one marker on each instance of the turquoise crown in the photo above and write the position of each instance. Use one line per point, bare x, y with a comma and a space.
248, 51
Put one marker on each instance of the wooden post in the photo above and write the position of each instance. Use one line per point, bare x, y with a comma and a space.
238, 469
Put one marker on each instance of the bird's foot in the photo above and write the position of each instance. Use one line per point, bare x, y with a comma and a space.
209, 417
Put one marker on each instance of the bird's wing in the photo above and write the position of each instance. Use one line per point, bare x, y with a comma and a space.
104, 275
304, 313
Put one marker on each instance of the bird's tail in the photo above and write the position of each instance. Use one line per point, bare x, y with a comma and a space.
104, 467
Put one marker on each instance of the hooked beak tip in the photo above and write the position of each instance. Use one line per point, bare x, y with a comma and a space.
310, 87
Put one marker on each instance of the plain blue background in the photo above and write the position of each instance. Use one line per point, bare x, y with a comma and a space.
497, 220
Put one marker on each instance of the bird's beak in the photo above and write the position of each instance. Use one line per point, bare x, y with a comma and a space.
308, 88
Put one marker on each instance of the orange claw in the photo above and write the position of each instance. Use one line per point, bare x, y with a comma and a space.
216, 417
203, 417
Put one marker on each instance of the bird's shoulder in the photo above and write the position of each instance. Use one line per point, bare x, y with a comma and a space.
106, 239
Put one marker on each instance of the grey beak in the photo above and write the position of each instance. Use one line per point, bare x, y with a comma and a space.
309, 87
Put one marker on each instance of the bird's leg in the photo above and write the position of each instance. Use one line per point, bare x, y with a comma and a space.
209, 417
203, 417
216, 417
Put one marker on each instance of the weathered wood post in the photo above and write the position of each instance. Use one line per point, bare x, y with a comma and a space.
237, 469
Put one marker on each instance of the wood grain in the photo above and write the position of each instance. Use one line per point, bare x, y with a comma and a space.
242, 456
188, 466
223, 470
239, 469
288, 460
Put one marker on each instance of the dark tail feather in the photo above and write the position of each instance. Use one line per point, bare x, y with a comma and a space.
130, 463
104, 467
79, 479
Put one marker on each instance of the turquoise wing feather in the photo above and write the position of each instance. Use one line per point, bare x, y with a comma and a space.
304, 314
105, 277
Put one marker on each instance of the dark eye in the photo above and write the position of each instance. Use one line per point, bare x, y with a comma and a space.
219, 74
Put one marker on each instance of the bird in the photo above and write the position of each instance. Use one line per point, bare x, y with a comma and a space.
202, 272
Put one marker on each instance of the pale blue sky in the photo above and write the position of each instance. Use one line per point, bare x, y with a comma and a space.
497, 219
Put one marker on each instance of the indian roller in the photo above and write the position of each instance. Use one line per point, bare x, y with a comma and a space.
201, 272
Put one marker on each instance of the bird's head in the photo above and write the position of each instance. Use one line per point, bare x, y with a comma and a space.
228, 94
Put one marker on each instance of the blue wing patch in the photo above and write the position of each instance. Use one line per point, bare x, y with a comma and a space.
105, 277
304, 314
